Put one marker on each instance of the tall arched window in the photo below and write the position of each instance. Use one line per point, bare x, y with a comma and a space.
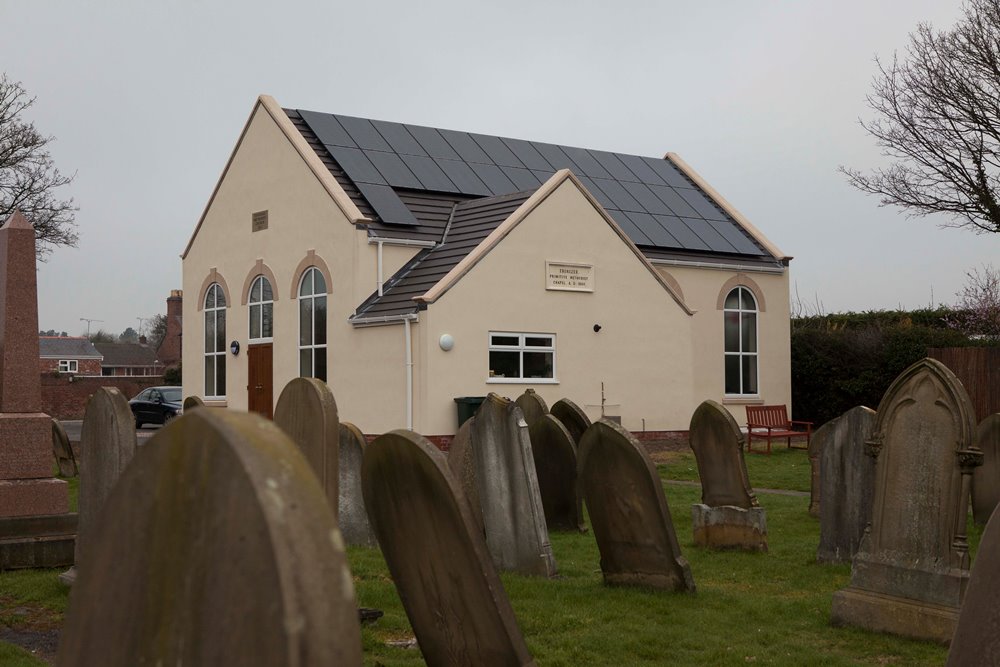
740, 313
215, 342
312, 324
261, 309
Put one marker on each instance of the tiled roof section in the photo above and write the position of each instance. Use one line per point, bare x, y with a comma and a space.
381, 164
471, 223
67, 348
126, 354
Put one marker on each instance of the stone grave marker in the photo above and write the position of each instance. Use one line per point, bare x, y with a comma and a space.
532, 406
351, 506
462, 463
438, 559
63, 451
572, 417
628, 512
555, 466
986, 478
815, 448
217, 547
847, 484
729, 516
192, 402
911, 570
107, 445
307, 412
977, 638
509, 497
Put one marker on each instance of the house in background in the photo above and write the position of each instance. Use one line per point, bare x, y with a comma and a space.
128, 359
408, 266
69, 355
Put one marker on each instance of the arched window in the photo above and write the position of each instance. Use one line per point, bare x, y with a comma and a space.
740, 313
312, 324
215, 342
261, 309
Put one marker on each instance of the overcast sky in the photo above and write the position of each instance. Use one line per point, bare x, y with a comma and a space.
146, 102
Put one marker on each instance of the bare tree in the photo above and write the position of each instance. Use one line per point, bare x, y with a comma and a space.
937, 114
977, 311
28, 177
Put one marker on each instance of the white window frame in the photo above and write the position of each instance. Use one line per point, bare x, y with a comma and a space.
743, 292
214, 311
69, 366
312, 347
521, 348
262, 304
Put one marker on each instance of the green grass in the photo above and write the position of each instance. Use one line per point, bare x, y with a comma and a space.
15, 656
783, 469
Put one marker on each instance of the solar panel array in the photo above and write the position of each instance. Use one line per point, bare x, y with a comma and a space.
653, 202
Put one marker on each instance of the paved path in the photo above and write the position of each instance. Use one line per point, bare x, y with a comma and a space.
779, 492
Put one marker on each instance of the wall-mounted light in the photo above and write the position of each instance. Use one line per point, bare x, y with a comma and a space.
597, 327
446, 342
234, 347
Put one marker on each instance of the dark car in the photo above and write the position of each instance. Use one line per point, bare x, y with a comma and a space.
156, 405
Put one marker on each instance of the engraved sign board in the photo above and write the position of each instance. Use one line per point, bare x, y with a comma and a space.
259, 221
569, 277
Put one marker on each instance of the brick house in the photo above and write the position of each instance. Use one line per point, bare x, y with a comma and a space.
128, 359
72, 355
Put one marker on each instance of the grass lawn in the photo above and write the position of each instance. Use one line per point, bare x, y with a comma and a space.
769, 608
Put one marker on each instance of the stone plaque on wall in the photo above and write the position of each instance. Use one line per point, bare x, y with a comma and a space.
569, 276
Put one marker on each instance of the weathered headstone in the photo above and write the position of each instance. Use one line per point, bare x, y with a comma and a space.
351, 505
462, 463
815, 453
532, 406
439, 562
572, 417
217, 547
628, 512
107, 445
847, 484
986, 478
729, 516
63, 451
977, 638
307, 412
911, 570
192, 402
504, 468
555, 465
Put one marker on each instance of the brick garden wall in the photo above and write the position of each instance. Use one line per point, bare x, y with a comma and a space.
66, 399
84, 366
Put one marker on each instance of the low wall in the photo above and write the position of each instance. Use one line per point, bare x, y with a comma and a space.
65, 396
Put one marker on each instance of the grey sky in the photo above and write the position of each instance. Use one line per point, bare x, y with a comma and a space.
762, 98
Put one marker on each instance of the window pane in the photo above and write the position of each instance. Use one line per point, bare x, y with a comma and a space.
209, 377
220, 377
732, 332
220, 331
320, 323
254, 321
306, 288
220, 299
210, 331
305, 322
266, 293
732, 374
505, 364
210, 297
267, 321
537, 364
504, 340
305, 363
320, 361
749, 331
320, 282
538, 341
747, 300
733, 299
749, 374
255, 291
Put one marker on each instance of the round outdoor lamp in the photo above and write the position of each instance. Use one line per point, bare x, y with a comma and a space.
446, 342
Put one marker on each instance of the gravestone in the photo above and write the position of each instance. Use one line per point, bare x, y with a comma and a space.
107, 445
532, 406
351, 513
629, 513
439, 562
977, 637
217, 547
63, 451
815, 448
555, 465
986, 478
729, 516
462, 464
505, 479
192, 402
307, 412
572, 417
847, 484
911, 570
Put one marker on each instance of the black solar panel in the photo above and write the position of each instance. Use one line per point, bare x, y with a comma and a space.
655, 204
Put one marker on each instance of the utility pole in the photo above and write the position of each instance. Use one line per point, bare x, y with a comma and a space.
88, 320
141, 320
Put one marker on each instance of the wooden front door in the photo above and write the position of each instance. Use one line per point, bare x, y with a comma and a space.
260, 378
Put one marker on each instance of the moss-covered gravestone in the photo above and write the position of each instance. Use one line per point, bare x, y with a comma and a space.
628, 512
986, 478
307, 412
437, 557
555, 464
62, 450
217, 547
351, 512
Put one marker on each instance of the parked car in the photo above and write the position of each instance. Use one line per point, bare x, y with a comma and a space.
156, 405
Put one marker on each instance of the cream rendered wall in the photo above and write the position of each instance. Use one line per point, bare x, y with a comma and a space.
702, 288
642, 353
393, 259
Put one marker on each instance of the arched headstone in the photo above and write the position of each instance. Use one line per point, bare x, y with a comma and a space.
438, 560
351, 507
628, 512
532, 406
977, 640
307, 412
986, 478
555, 465
847, 484
912, 568
192, 402
217, 547
816, 443
63, 451
572, 417
462, 463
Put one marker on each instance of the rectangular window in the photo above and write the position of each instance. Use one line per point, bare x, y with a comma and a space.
522, 357
68, 365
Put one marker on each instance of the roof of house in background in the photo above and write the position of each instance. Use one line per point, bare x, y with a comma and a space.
66, 347
126, 354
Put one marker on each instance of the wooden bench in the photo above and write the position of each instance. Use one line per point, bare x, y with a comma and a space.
771, 421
